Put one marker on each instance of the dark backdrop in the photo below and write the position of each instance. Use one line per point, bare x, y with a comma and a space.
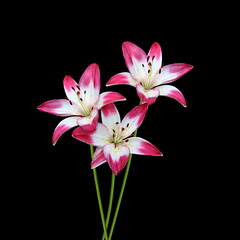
165, 197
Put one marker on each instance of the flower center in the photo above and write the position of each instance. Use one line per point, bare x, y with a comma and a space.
81, 96
117, 133
86, 107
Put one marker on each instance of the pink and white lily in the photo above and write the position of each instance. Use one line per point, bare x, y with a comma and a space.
82, 103
113, 138
147, 74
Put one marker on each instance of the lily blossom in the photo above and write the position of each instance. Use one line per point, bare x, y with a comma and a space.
82, 103
147, 74
113, 137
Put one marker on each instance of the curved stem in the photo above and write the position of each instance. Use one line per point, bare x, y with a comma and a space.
99, 197
110, 203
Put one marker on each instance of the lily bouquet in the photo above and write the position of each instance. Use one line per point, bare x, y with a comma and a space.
115, 140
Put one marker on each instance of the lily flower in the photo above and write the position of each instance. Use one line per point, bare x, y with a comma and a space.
147, 74
113, 137
82, 103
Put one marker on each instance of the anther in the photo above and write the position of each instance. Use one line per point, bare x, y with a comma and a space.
81, 99
148, 71
78, 87
78, 93
128, 125
70, 102
117, 122
132, 135
113, 130
153, 57
123, 128
143, 65
73, 89
126, 140
85, 91
113, 135
148, 58
160, 70
149, 64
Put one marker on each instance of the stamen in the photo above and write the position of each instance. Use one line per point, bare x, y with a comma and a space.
149, 64
78, 93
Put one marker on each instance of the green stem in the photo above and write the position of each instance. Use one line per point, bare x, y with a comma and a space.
121, 193
99, 196
110, 203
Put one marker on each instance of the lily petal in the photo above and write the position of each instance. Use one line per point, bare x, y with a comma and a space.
97, 138
108, 97
135, 59
90, 83
133, 120
172, 92
141, 146
70, 87
98, 158
172, 72
110, 117
155, 58
59, 107
89, 123
116, 156
148, 96
122, 78
63, 126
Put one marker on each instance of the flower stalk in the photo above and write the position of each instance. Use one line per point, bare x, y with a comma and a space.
110, 203
99, 196
122, 190
121, 193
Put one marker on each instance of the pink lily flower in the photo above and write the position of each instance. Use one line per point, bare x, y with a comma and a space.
148, 75
113, 137
82, 103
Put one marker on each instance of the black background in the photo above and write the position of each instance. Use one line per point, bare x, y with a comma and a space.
165, 197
